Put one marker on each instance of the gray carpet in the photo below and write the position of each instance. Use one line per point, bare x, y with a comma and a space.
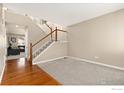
74, 72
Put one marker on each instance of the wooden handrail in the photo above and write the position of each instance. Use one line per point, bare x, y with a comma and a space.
43, 38
48, 26
49, 35
51, 28
61, 30
56, 31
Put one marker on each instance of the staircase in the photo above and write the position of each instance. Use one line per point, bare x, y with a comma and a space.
41, 49
51, 38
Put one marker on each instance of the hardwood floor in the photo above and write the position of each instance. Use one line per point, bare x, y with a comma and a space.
19, 72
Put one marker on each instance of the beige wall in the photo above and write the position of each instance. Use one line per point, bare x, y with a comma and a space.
100, 39
2, 43
56, 50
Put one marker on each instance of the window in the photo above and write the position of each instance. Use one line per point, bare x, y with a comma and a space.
21, 41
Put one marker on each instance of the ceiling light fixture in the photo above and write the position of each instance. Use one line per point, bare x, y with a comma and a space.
17, 26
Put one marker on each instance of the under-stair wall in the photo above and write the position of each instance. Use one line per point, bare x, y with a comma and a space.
56, 50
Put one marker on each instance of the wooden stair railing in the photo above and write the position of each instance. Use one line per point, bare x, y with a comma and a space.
43, 38
50, 30
32, 45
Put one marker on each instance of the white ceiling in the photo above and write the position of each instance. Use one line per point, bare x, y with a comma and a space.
15, 29
65, 14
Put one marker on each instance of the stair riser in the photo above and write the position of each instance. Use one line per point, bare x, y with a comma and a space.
41, 49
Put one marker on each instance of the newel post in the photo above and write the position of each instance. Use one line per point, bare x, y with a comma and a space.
56, 36
51, 34
30, 59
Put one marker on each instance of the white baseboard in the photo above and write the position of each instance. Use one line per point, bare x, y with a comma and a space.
1, 76
84, 60
97, 63
44, 61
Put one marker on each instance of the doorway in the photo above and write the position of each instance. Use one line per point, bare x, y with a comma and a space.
17, 41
